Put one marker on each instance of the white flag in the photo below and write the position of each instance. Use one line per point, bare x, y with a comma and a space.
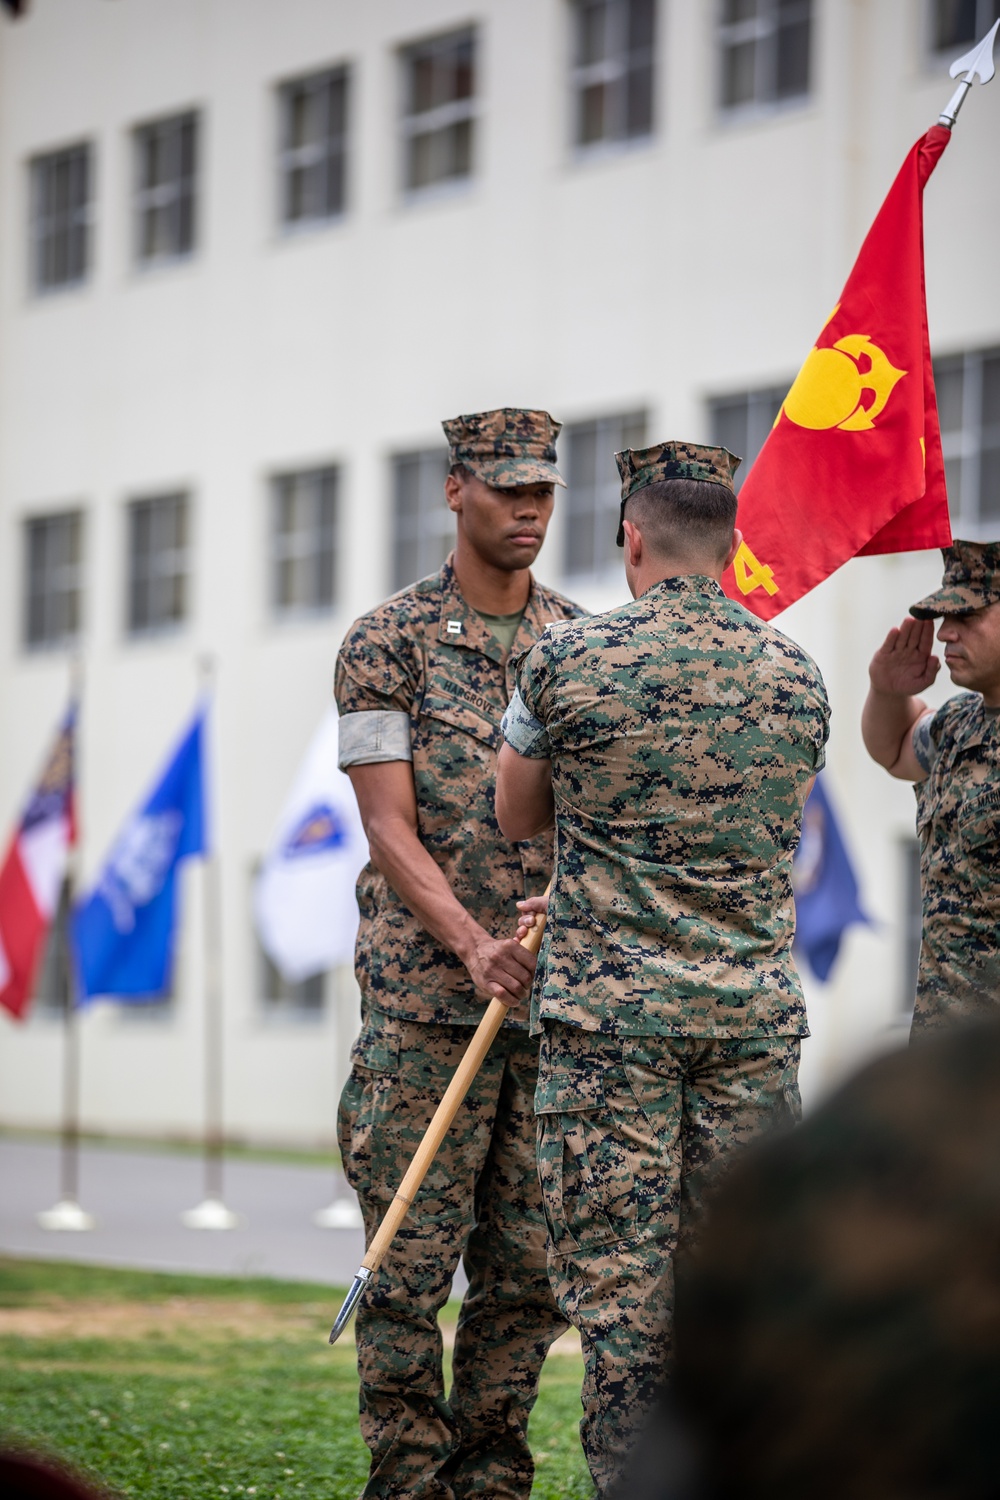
304, 902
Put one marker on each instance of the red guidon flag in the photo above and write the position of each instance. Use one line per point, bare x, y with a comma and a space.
853, 462
32, 874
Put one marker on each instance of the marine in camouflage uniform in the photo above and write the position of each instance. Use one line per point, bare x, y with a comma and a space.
682, 736
423, 680
953, 757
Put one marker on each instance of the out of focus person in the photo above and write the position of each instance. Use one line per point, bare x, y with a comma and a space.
674, 741
838, 1329
27, 1477
953, 757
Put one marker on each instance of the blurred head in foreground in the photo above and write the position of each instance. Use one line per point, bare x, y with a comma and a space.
839, 1331
27, 1477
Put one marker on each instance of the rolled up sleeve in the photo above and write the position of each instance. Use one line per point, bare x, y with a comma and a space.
523, 732
374, 735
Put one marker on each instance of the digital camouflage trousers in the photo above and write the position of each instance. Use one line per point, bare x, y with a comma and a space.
479, 1203
631, 1130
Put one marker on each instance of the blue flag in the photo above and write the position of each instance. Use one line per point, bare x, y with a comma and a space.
826, 888
123, 931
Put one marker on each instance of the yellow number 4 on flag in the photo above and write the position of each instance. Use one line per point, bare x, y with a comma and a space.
751, 574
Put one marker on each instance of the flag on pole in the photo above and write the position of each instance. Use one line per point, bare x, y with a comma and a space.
853, 462
827, 901
33, 872
304, 902
124, 930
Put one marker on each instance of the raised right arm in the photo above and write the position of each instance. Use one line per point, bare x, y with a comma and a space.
902, 667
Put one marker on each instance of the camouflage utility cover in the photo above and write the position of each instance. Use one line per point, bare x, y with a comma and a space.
683, 733
639, 467
958, 824
428, 654
971, 580
506, 447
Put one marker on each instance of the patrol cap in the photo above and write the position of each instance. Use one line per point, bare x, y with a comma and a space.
641, 466
971, 579
506, 447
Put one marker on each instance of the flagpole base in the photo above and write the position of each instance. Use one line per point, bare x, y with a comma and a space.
342, 1213
211, 1214
68, 1216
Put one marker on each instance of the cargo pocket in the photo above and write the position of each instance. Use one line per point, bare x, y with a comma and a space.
365, 1108
584, 1162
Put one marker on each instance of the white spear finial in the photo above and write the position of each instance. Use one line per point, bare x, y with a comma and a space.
975, 64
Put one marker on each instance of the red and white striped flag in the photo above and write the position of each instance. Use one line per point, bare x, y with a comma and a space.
32, 875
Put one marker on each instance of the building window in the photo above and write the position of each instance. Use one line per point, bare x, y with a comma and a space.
282, 1000
959, 23
157, 563
968, 394
612, 70
742, 422
303, 541
60, 217
912, 926
53, 574
764, 48
439, 106
593, 496
423, 526
165, 155
313, 152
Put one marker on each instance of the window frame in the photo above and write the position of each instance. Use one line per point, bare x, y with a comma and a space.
33, 524
966, 444
606, 497
938, 54
159, 627
168, 195
433, 461
609, 71
442, 116
762, 30
290, 158
317, 477
44, 225
758, 401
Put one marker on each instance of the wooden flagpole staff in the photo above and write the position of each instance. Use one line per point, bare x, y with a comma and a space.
435, 1133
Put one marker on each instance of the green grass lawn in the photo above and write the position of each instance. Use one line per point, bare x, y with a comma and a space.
183, 1387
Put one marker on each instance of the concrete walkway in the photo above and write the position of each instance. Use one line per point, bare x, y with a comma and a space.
137, 1198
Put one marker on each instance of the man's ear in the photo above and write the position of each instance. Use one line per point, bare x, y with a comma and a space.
737, 544
633, 544
453, 492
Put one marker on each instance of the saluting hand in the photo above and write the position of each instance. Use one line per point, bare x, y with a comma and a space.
905, 663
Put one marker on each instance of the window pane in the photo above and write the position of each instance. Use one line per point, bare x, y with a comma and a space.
639, 105
948, 382
738, 73
165, 156
60, 217
954, 23
613, 70
989, 483
304, 510
991, 391
438, 124
793, 60
593, 496
640, 23
281, 999
158, 562
423, 526
52, 552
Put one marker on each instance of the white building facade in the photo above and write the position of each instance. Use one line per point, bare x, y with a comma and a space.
254, 253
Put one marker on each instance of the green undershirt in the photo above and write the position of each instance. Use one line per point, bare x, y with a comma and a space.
504, 627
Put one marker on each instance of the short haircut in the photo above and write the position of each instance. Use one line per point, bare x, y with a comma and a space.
684, 517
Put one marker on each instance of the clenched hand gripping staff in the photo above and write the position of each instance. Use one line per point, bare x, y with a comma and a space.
427, 1150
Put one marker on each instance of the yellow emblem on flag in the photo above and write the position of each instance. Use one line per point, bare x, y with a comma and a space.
827, 392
